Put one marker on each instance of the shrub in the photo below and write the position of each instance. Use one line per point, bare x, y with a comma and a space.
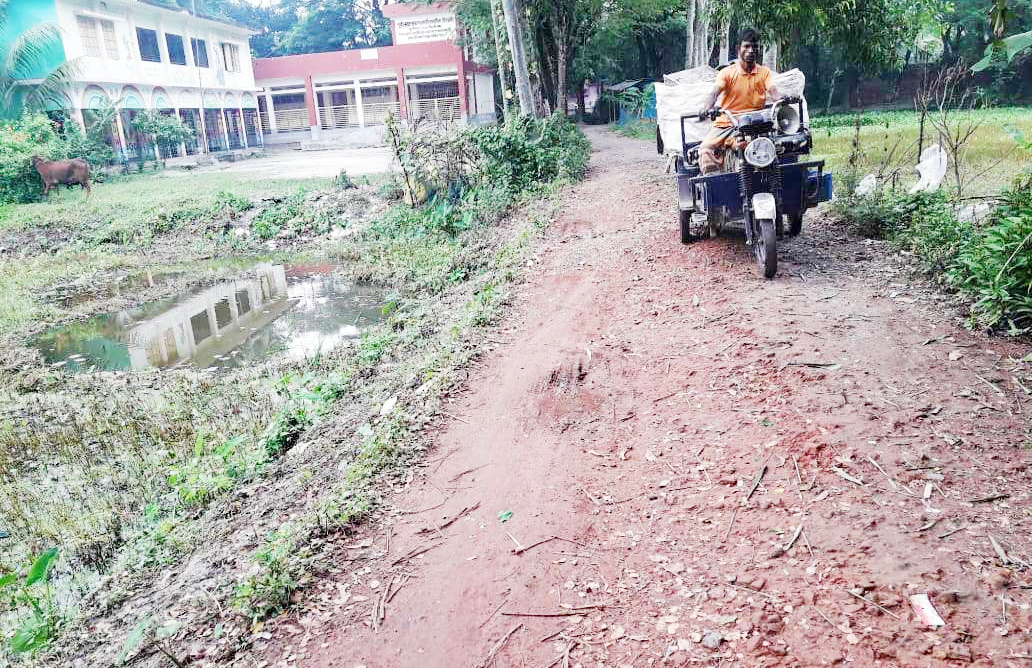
167, 131
30, 135
995, 268
927, 225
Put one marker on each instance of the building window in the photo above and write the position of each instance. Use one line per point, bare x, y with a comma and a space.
231, 57
200, 52
88, 34
176, 52
110, 43
148, 40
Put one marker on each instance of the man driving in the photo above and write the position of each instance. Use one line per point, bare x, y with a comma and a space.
744, 86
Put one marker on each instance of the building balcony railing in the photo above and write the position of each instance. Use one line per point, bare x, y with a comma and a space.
343, 116
287, 120
439, 108
375, 113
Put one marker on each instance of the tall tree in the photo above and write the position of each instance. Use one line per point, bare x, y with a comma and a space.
519, 56
33, 54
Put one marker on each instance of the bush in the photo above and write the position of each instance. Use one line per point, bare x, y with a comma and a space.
30, 135
995, 268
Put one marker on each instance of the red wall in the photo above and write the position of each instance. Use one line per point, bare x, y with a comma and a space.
389, 58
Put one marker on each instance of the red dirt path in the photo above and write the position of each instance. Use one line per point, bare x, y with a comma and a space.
637, 390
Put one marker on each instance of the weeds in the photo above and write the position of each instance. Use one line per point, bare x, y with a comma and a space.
33, 591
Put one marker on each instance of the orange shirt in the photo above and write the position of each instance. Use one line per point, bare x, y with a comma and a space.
742, 91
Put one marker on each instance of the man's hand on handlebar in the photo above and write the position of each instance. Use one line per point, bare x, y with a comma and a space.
709, 114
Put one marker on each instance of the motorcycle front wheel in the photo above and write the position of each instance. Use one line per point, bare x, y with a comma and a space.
765, 246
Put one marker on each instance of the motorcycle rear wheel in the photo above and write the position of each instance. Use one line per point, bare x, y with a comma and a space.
766, 248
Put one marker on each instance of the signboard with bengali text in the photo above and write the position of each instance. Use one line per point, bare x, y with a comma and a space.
416, 29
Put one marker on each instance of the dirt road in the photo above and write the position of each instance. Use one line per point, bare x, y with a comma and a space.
624, 481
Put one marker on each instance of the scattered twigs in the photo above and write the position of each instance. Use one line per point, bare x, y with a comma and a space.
380, 611
494, 612
543, 541
447, 523
845, 476
950, 533
756, 482
731, 524
752, 591
475, 468
519, 546
794, 538
989, 499
799, 479
414, 553
579, 610
489, 659
869, 601
590, 497
931, 524
998, 549
887, 476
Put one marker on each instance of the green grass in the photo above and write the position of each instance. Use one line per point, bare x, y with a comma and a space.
143, 199
641, 128
993, 153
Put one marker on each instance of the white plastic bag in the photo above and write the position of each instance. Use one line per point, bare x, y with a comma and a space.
683, 93
931, 169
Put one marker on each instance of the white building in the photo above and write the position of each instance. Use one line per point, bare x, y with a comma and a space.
141, 56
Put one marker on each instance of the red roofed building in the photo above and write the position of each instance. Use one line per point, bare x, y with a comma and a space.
322, 96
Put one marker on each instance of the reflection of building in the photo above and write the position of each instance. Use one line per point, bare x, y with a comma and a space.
211, 323
300, 311
138, 55
424, 75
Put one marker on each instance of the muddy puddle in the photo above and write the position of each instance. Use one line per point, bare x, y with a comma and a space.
295, 311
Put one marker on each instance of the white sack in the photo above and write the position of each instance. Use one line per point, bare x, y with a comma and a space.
682, 93
931, 169
866, 186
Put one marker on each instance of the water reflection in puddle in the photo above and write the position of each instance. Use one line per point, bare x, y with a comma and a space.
298, 311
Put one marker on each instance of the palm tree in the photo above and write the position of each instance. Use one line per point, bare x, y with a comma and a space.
27, 57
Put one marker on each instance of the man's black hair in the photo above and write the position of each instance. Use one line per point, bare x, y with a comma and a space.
750, 36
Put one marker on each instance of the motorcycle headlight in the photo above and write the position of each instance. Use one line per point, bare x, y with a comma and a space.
760, 152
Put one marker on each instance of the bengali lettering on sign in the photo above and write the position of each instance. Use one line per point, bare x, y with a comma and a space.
425, 29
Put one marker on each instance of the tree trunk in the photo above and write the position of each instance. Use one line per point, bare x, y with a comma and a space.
544, 41
519, 57
723, 54
643, 55
770, 55
581, 110
560, 66
501, 53
902, 73
689, 36
701, 34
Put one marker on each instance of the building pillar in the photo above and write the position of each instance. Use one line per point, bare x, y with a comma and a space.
182, 145
79, 118
402, 95
313, 107
358, 105
243, 127
121, 134
461, 78
225, 127
202, 141
270, 113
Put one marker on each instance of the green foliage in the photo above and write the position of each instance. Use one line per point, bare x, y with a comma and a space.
521, 153
30, 135
266, 592
41, 625
166, 131
994, 269
638, 129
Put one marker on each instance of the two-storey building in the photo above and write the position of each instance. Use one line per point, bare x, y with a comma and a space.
426, 73
136, 55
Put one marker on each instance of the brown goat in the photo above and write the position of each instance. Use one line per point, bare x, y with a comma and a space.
67, 172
